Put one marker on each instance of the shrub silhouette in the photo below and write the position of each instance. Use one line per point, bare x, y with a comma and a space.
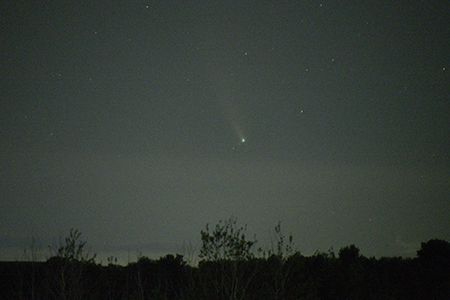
229, 270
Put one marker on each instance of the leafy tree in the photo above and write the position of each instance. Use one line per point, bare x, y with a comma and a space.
351, 273
434, 269
435, 249
349, 254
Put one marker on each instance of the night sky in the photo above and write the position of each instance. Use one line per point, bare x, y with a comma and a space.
138, 122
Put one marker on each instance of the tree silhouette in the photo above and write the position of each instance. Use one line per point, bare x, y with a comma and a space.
435, 250
230, 271
227, 241
349, 254
65, 278
224, 268
434, 269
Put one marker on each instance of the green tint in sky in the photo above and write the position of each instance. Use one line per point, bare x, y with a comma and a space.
127, 120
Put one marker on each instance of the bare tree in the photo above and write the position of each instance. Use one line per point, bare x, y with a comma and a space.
226, 253
67, 266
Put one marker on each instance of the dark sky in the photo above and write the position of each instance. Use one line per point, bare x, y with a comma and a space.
138, 122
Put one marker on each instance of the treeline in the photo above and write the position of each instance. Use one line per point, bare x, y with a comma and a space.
230, 270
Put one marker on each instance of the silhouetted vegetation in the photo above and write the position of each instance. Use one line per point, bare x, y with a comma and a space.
229, 269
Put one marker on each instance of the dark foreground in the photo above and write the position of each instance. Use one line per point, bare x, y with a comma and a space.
321, 276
